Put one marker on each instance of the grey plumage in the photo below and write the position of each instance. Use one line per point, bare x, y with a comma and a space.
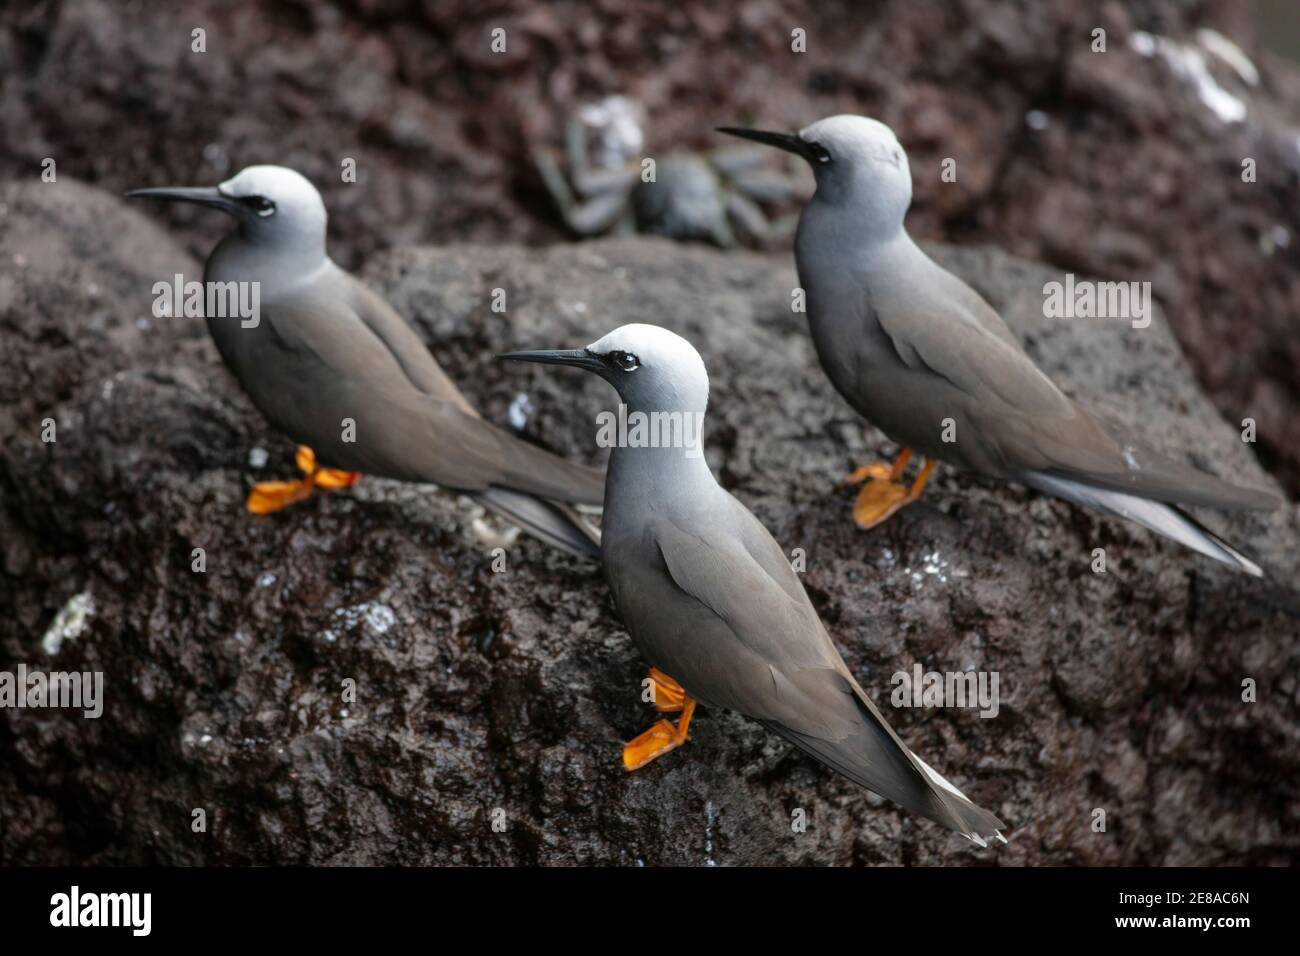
909, 345
1165, 519
326, 348
711, 600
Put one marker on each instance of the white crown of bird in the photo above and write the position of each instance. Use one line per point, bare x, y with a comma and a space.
867, 168
671, 376
299, 208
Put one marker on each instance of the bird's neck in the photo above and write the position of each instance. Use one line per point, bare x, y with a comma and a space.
276, 266
656, 456
888, 252
851, 221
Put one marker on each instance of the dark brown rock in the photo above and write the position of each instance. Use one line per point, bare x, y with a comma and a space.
481, 692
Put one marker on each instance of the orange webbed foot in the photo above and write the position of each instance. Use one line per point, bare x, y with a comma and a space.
884, 493
269, 496
334, 479
663, 736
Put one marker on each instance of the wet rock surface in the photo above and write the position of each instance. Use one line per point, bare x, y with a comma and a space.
486, 697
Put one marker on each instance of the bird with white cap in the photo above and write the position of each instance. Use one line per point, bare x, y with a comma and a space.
332, 364
712, 602
925, 358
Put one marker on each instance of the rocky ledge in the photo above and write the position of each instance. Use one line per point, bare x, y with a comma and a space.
491, 703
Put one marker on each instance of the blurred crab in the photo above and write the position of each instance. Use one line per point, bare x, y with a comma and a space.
682, 195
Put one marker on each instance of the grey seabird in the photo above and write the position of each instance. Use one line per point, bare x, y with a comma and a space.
712, 602
909, 345
326, 351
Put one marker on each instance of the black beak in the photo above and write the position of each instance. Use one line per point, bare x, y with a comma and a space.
786, 141
209, 196
578, 358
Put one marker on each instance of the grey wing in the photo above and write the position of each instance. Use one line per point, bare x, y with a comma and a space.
1111, 458
414, 358
321, 363
735, 628
962, 351
972, 305
1012, 419
684, 608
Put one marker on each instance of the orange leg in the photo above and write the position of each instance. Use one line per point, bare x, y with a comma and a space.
884, 493
668, 696
663, 736
269, 496
892, 472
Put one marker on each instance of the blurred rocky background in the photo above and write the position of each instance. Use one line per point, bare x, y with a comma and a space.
486, 691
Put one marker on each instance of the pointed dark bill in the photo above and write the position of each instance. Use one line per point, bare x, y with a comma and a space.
203, 196
786, 141
578, 358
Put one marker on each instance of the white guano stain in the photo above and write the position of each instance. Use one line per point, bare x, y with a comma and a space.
1189, 62
69, 623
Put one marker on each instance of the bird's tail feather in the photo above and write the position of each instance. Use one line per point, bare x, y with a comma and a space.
556, 523
1164, 519
902, 777
980, 822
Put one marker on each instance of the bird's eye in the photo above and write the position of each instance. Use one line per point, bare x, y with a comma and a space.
260, 205
819, 152
624, 360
